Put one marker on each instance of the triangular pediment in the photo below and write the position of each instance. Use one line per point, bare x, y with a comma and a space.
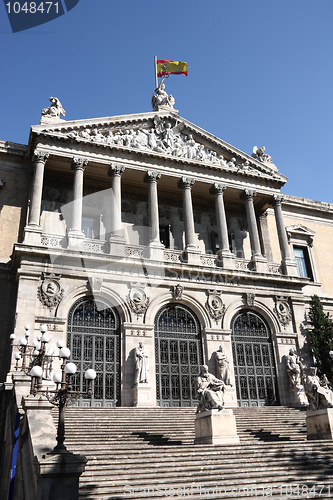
161, 134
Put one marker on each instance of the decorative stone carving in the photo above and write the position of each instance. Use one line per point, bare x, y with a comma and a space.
178, 292
209, 391
162, 99
222, 366
215, 305
259, 154
318, 392
282, 310
79, 163
249, 299
50, 292
54, 110
141, 365
95, 284
138, 300
40, 156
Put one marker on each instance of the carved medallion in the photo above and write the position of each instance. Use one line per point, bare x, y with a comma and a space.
138, 300
282, 310
215, 305
50, 292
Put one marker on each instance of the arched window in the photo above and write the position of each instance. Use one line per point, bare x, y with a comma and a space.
93, 336
255, 372
178, 352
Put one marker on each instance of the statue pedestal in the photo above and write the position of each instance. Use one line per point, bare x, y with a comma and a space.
298, 397
230, 397
142, 395
319, 424
216, 427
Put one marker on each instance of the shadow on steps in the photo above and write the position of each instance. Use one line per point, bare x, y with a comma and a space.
157, 439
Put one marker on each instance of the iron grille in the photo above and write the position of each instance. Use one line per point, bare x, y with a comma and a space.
255, 372
178, 352
93, 336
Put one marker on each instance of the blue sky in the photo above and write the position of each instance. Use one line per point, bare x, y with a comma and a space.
260, 73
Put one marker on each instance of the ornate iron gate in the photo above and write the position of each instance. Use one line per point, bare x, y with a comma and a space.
254, 364
93, 336
178, 352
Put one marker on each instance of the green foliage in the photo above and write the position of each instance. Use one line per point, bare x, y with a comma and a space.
321, 336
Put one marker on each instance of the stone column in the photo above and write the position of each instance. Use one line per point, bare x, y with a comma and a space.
226, 257
32, 233
191, 249
117, 238
155, 250
259, 261
289, 264
75, 235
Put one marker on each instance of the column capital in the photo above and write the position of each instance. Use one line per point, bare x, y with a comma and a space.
217, 188
152, 176
186, 183
248, 194
40, 156
79, 163
277, 199
116, 170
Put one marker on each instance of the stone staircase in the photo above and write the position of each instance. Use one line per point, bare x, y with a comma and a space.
136, 453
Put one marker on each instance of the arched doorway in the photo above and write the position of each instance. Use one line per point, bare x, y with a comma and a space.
93, 336
254, 364
178, 352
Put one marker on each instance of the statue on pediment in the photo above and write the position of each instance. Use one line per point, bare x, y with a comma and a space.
162, 98
259, 154
54, 110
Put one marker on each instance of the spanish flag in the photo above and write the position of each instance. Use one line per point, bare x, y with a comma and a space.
170, 67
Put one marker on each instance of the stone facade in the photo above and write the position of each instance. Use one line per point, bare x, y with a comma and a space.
145, 210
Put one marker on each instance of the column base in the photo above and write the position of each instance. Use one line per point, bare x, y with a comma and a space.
58, 475
230, 397
32, 235
259, 264
319, 424
226, 259
192, 254
117, 245
142, 396
216, 427
155, 251
75, 240
290, 267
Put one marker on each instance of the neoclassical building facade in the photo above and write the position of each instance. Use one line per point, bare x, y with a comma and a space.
146, 229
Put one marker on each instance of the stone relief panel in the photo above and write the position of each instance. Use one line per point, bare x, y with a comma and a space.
137, 300
282, 310
215, 305
50, 292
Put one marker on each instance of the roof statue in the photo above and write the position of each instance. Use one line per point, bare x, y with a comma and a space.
259, 154
53, 112
162, 100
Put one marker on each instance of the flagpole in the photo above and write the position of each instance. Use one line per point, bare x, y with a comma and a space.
155, 64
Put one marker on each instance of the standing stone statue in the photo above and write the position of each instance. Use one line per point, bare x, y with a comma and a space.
294, 368
141, 365
222, 366
318, 395
209, 390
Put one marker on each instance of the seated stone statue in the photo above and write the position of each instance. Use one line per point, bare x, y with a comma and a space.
318, 395
209, 390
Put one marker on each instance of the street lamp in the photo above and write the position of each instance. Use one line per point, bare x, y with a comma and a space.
64, 395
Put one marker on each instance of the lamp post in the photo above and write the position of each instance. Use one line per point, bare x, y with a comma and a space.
64, 395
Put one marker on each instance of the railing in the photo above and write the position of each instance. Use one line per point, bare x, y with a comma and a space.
137, 252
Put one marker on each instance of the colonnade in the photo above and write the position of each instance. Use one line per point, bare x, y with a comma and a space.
226, 257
